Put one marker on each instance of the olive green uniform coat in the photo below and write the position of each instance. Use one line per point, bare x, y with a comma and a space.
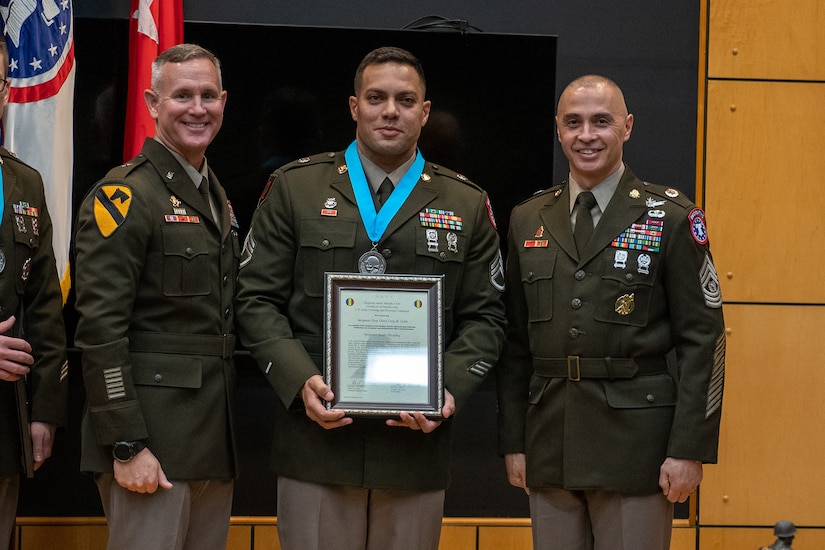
607, 417
308, 223
156, 318
29, 284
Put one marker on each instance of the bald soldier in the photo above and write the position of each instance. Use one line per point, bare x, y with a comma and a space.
595, 424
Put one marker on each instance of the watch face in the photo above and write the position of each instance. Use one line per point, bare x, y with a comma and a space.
123, 451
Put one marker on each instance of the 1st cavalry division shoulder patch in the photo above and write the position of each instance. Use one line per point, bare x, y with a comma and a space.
111, 207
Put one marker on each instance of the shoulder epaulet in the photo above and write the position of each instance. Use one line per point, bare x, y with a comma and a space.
555, 190
452, 174
309, 161
673, 195
120, 172
5, 154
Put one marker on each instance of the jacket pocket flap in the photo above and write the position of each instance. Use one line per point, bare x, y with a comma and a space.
168, 370
641, 392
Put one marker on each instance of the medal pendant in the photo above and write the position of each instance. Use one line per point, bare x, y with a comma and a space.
372, 263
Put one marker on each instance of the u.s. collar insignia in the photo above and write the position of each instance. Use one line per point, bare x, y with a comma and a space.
634, 194
170, 175
425, 177
557, 193
672, 193
175, 201
342, 169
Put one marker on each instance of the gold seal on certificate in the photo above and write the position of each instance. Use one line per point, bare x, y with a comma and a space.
372, 263
383, 348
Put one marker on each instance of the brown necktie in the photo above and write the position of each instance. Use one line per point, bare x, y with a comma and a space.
384, 191
584, 219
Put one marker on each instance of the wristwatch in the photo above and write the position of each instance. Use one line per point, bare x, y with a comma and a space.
124, 451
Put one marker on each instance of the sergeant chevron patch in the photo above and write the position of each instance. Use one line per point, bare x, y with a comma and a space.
717, 378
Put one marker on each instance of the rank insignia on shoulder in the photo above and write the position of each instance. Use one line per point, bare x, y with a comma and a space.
304, 160
672, 193
111, 206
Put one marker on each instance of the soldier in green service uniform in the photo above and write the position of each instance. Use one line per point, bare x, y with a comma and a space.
591, 420
157, 254
345, 483
32, 337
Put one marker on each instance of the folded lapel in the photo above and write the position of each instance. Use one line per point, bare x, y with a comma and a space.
556, 218
623, 209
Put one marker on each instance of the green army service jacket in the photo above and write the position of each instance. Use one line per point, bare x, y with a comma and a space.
308, 223
155, 280
30, 290
584, 385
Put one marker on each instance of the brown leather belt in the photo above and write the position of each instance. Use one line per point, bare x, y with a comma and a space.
575, 368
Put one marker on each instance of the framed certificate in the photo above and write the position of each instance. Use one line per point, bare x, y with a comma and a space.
383, 349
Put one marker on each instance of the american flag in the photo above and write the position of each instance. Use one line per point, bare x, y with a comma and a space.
38, 120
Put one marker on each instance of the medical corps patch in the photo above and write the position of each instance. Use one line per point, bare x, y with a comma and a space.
697, 226
111, 207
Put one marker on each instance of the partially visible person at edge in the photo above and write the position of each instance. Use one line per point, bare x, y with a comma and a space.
157, 254
365, 483
592, 421
32, 336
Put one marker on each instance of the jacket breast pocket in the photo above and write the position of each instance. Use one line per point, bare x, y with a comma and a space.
537, 268
327, 245
627, 284
186, 265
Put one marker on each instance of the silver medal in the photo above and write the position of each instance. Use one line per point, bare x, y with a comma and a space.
372, 263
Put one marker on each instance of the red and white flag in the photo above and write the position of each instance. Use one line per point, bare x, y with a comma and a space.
155, 26
38, 122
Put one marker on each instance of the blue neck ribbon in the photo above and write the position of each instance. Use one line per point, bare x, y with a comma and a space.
376, 222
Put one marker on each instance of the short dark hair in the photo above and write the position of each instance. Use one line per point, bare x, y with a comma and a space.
389, 54
179, 54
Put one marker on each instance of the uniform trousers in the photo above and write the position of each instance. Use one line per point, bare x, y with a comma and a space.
8, 507
312, 516
192, 515
599, 520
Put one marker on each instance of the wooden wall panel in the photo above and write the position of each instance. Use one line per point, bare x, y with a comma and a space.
457, 537
767, 39
771, 449
64, 537
751, 539
764, 178
505, 538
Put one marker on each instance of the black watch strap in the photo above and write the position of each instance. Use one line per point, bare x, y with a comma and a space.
124, 451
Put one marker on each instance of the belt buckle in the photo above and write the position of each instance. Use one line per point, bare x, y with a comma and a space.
573, 366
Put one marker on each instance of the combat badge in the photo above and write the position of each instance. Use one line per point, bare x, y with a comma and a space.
111, 206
